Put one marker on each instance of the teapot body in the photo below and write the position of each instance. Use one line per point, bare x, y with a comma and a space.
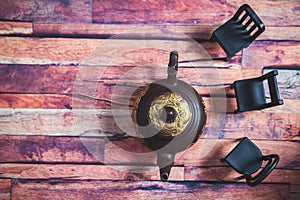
170, 115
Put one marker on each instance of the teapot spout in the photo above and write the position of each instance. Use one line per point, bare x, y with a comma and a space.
165, 162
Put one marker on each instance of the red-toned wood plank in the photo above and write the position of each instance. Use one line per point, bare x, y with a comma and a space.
227, 174
295, 191
117, 172
54, 101
262, 126
202, 32
50, 149
125, 52
15, 28
74, 79
34, 101
267, 53
86, 172
70, 189
64, 122
45, 79
191, 12
205, 153
60, 11
5, 187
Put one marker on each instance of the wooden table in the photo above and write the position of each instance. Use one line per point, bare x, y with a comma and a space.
51, 143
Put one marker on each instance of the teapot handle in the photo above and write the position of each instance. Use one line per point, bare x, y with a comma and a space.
173, 67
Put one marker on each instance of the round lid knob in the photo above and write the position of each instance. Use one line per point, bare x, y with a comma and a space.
168, 114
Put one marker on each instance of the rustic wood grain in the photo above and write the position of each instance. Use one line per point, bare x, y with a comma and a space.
57, 101
115, 172
200, 32
266, 53
15, 28
69, 51
61, 189
5, 186
35, 101
192, 12
102, 123
86, 172
227, 174
288, 80
58, 11
262, 126
47, 79
206, 152
125, 52
50, 149
295, 191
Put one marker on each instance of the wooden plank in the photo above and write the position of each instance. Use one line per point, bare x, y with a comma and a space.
192, 12
50, 149
227, 174
295, 192
204, 153
87, 172
70, 11
115, 172
34, 101
282, 126
15, 28
267, 53
5, 187
288, 80
70, 189
57, 101
125, 52
69, 51
74, 79
104, 123
208, 152
201, 32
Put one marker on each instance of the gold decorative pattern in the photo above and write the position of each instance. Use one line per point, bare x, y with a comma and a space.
176, 102
137, 101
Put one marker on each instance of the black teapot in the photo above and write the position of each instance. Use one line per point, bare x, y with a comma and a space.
170, 115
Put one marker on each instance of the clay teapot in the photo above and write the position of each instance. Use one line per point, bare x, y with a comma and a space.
170, 115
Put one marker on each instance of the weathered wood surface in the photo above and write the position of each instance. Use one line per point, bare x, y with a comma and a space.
115, 172
5, 188
227, 174
70, 51
260, 54
206, 152
150, 12
51, 149
16, 28
56, 101
86, 172
58, 11
47, 79
192, 12
48, 54
201, 32
65, 122
62, 189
